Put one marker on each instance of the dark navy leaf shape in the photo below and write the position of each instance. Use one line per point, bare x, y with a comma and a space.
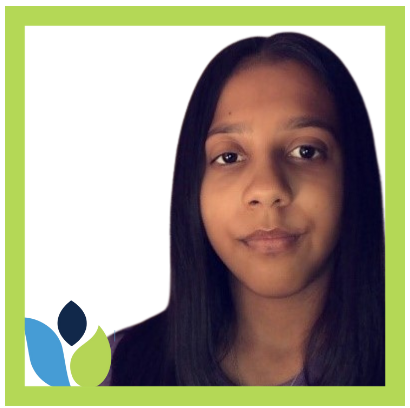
46, 353
72, 323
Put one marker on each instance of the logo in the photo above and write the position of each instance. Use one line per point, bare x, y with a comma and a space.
89, 364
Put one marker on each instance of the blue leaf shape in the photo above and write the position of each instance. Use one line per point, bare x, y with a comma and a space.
72, 323
46, 353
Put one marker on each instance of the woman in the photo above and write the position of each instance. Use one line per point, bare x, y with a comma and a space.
277, 243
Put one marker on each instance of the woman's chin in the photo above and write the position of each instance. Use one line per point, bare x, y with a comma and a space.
278, 286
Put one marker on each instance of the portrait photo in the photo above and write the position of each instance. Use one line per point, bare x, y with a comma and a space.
212, 197
204, 205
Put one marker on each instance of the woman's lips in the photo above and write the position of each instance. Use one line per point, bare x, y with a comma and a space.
271, 242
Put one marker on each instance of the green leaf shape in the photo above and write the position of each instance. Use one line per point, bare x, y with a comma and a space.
91, 362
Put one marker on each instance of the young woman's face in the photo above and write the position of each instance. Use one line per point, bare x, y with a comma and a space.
273, 164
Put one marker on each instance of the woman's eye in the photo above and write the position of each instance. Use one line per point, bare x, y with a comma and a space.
228, 158
306, 152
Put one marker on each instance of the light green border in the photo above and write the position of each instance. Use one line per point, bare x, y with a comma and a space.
393, 18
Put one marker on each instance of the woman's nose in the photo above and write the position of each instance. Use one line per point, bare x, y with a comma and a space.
269, 186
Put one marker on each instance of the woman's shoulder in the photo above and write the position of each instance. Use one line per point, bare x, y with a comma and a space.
149, 327
138, 353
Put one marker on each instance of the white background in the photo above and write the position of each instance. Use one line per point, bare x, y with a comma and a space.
104, 107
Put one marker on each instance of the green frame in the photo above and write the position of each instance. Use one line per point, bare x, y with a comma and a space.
392, 18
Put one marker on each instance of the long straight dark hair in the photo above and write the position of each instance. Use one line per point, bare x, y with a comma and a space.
346, 345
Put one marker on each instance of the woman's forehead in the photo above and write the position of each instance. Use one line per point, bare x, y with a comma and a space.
282, 89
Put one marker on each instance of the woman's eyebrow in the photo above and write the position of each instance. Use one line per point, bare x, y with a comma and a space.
229, 128
293, 123
309, 121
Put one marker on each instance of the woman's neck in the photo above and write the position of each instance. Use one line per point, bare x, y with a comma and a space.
271, 333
